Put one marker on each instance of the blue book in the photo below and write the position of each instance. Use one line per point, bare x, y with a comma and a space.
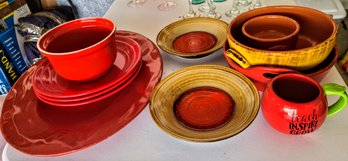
5, 86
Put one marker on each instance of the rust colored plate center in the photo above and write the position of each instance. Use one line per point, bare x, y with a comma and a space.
204, 108
194, 42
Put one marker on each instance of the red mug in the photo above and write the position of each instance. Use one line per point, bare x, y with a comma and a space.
296, 104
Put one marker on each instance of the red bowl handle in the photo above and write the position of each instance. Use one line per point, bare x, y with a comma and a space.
265, 74
259, 73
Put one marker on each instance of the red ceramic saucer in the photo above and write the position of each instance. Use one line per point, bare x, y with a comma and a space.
194, 42
36, 128
88, 99
48, 83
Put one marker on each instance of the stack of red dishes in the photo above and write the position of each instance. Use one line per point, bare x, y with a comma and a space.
45, 114
52, 89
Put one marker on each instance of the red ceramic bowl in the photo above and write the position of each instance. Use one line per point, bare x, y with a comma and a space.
261, 75
82, 49
271, 32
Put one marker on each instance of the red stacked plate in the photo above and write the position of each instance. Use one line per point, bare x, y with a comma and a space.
55, 90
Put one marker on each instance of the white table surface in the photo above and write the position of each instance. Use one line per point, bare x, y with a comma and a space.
142, 140
332, 7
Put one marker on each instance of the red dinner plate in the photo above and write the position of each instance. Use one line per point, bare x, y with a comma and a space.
88, 99
36, 128
48, 83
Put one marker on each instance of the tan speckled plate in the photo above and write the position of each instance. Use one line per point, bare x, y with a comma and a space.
215, 27
239, 87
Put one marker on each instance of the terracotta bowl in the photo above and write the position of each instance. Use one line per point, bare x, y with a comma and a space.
193, 37
271, 32
204, 103
317, 38
261, 75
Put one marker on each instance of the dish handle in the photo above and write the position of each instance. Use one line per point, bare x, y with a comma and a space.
237, 57
265, 74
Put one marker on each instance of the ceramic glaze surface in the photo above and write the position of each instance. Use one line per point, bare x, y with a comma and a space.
211, 118
317, 29
77, 39
73, 53
271, 32
262, 74
296, 104
193, 42
206, 35
48, 83
91, 98
204, 108
36, 128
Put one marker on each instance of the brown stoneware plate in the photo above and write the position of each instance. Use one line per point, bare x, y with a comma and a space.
204, 103
193, 37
